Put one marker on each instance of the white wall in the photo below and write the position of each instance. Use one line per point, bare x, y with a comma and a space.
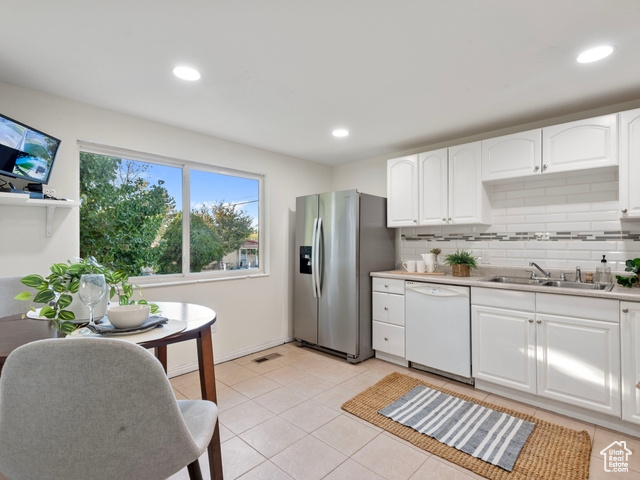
251, 312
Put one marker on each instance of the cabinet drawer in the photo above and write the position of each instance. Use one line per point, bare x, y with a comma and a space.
388, 285
498, 298
578, 307
388, 308
388, 338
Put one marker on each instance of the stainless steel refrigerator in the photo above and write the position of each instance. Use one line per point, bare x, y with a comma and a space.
340, 238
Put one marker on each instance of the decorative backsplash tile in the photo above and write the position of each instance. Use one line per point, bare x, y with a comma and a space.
558, 222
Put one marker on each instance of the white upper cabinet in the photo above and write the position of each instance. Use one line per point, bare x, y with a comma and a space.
433, 168
629, 163
580, 145
589, 143
402, 191
468, 199
511, 156
451, 191
437, 188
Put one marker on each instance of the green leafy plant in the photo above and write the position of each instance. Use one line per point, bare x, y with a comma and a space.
632, 266
56, 290
461, 257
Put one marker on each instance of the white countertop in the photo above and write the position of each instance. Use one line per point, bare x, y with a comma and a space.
478, 279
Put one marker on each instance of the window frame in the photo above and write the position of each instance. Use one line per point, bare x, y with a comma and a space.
186, 166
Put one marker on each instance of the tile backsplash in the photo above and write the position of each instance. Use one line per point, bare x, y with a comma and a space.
559, 222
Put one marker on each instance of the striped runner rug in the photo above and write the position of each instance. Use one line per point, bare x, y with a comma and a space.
492, 436
552, 452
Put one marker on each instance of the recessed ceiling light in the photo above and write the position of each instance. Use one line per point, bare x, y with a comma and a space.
595, 54
186, 73
340, 132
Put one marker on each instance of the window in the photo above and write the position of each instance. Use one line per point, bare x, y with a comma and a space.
155, 216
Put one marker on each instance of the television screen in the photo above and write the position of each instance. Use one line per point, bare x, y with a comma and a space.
26, 153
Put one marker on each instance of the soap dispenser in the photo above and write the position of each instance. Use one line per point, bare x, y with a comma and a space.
603, 272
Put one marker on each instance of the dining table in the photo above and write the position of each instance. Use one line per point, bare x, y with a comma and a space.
195, 322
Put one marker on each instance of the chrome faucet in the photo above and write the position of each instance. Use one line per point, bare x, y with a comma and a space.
578, 275
546, 274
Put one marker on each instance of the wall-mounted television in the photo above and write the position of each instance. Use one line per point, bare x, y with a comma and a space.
26, 153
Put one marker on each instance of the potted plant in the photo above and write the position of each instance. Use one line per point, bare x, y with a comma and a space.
632, 266
462, 262
57, 291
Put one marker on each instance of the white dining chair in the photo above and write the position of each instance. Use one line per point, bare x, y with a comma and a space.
99, 409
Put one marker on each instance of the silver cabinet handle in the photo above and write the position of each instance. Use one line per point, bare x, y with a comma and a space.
449, 218
386, 285
536, 168
531, 320
625, 310
544, 167
624, 210
638, 385
386, 339
386, 308
538, 321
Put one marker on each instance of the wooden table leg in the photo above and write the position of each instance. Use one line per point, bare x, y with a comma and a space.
208, 389
161, 354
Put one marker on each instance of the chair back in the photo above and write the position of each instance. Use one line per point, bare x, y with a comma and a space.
9, 288
98, 408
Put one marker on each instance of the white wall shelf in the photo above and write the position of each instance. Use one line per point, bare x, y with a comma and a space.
22, 200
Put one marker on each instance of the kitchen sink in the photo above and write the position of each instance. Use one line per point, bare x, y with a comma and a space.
518, 280
545, 282
606, 287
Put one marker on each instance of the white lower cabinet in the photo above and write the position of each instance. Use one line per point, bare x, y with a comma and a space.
572, 355
503, 338
388, 318
579, 362
630, 333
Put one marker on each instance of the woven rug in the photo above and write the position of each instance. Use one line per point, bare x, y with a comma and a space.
552, 452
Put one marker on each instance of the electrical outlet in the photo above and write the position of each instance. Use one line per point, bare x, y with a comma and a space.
486, 257
49, 191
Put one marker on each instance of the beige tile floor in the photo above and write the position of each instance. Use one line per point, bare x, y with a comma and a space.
281, 420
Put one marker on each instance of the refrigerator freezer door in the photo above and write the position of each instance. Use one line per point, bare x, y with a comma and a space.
338, 322
305, 324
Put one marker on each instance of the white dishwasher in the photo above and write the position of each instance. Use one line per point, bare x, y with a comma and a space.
438, 329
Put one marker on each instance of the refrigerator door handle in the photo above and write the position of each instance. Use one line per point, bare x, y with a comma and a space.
316, 257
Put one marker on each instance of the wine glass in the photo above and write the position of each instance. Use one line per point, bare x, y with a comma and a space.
92, 290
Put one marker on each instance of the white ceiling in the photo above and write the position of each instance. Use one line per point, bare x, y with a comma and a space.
281, 74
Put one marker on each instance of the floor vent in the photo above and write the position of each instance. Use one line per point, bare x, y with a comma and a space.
271, 356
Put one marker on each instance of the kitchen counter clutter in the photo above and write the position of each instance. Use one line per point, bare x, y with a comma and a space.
570, 350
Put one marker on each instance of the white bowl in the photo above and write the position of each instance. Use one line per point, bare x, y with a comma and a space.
128, 316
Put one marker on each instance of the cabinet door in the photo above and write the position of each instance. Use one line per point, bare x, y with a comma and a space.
434, 178
580, 145
402, 191
503, 347
630, 163
468, 201
630, 355
579, 362
512, 156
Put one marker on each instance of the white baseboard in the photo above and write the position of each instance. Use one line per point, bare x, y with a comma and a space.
193, 367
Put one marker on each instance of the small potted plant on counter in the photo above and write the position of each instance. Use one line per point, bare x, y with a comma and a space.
632, 266
462, 262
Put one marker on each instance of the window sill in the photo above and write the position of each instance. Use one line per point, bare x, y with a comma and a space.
152, 281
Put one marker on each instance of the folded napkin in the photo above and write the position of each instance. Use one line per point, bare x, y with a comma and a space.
151, 322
